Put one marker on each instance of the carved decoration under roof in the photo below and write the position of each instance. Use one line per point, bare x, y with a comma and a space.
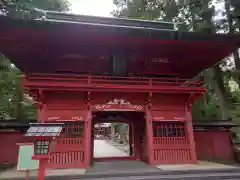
119, 101
118, 105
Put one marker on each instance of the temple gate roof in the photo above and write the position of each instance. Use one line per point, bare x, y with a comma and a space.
84, 44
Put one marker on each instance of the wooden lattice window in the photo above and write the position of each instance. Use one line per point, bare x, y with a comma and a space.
74, 129
42, 147
168, 129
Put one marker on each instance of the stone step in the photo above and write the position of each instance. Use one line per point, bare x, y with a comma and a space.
233, 173
156, 176
228, 176
141, 174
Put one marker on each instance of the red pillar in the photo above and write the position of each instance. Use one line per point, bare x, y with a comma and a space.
149, 131
131, 140
88, 137
42, 168
189, 127
39, 114
92, 141
137, 145
40, 111
41, 105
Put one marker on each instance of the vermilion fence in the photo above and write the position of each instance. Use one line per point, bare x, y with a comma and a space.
67, 153
170, 143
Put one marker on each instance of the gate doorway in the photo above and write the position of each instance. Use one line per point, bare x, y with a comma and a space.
111, 140
124, 132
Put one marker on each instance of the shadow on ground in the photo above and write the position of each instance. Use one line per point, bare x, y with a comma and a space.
121, 166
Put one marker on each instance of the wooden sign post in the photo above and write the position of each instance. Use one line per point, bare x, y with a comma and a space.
25, 161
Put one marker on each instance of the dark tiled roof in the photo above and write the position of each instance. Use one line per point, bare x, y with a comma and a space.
67, 36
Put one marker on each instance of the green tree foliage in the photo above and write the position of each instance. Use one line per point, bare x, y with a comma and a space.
13, 102
28, 9
192, 15
233, 18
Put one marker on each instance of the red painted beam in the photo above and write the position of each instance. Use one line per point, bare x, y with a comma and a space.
165, 91
111, 87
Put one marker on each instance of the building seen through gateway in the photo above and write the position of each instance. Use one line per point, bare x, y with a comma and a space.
90, 74
114, 134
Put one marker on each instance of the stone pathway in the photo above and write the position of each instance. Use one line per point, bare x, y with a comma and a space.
104, 149
202, 165
14, 174
123, 147
112, 167
135, 170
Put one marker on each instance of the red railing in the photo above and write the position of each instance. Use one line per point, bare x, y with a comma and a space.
84, 81
67, 153
170, 143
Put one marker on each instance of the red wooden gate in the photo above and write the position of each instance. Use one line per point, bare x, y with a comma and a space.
68, 149
170, 143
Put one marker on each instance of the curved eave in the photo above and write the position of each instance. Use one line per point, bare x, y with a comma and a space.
38, 40
154, 34
59, 16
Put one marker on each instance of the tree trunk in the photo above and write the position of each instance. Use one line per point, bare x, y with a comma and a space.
220, 89
19, 107
231, 31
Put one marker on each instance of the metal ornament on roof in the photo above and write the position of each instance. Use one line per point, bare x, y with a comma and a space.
110, 22
44, 131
